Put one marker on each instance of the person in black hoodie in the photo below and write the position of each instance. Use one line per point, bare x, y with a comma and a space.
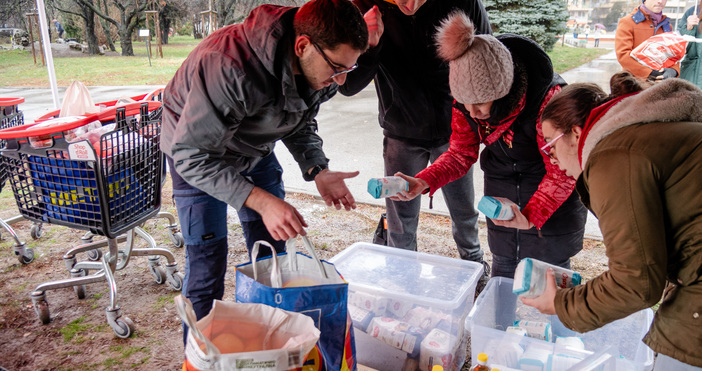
415, 108
501, 84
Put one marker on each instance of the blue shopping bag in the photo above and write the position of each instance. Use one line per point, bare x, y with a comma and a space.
304, 284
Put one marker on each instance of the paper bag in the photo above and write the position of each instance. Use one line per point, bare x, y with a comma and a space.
240, 337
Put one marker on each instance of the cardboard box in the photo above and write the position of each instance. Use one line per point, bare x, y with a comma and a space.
615, 346
422, 292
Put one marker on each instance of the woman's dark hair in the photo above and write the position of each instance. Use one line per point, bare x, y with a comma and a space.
330, 23
502, 107
571, 107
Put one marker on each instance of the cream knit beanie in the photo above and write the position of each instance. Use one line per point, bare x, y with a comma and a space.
481, 68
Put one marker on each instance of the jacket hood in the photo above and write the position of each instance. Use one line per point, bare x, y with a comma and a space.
539, 70
266, 44
671, 100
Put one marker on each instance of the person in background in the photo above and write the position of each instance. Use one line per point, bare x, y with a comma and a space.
691, 65
59, 28
414, 104
587, 33
240, 91
596, 35
500, 86
633, 29
636, 156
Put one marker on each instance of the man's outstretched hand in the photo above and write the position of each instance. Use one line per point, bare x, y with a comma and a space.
332, 188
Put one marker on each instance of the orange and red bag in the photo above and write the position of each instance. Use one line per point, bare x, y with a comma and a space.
660, 51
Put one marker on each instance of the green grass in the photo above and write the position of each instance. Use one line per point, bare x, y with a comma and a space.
565, 58
18, 68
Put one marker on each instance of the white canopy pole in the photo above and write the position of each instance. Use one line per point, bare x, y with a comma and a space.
46, 42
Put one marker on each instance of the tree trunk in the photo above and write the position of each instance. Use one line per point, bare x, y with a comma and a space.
106, 27
90, 37
125, 38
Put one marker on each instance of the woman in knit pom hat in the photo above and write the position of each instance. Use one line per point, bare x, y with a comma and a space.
500, 85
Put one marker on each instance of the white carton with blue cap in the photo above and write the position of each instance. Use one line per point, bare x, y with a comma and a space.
498, 208
387, 187
530, 277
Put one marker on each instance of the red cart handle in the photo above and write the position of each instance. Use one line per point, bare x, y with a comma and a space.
8, 102
47, 127
131, 109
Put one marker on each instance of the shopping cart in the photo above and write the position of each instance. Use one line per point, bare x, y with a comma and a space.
174, 231
11, 116
107, 183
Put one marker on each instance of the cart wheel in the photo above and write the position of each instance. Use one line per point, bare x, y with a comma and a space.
176, 281
124, 327
94, 254
80, 291
177, 239
27, 257
36, 231
158, 273
42, 309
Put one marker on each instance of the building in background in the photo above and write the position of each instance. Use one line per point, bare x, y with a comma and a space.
608, 12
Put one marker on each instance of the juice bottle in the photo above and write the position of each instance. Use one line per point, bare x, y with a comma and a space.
482, 363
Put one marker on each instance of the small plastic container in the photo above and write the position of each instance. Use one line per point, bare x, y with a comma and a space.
530, 282
387, 187
498, 208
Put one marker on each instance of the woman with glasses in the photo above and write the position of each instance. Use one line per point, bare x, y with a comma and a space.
637, 157
500, 85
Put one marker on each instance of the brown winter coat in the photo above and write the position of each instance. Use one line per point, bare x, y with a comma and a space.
642, 178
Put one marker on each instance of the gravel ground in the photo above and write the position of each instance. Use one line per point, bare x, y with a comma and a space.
78, 336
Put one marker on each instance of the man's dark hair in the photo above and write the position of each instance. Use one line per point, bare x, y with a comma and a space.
332, 22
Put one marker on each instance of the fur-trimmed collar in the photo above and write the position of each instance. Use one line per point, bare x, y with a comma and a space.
671, 100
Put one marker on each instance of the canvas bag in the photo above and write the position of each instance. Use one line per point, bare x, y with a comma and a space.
287, 337
305, 284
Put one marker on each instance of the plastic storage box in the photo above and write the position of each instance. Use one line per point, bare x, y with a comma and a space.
409, 309
616, 346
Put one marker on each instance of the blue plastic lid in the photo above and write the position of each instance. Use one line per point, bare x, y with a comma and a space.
490, 207
375, 187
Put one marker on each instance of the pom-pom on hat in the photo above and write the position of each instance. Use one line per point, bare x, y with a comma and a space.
481, 68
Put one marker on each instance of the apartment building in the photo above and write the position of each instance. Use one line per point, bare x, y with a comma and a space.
608, 12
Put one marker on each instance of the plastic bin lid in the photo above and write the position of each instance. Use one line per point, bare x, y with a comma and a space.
430, 280
8, 102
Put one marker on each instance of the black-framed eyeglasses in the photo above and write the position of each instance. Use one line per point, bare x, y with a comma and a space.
546, 149
337, 71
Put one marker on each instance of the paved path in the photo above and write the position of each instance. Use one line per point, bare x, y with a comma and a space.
348, 125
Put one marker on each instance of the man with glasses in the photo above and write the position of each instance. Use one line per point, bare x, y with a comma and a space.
241, 90
415, 109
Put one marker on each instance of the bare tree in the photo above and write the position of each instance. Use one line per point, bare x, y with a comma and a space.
86, 12
131, 13
106, 26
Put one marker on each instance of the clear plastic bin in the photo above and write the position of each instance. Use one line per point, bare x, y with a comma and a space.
615, 346
425, 298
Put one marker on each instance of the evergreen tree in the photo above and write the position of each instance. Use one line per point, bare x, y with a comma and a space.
539, 20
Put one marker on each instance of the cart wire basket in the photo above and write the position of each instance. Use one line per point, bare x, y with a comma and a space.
11, 116
101, 173
156, 95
